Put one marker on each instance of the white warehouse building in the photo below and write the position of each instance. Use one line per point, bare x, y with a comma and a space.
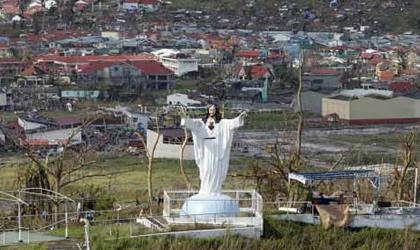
181, 99
169, 144
177, 61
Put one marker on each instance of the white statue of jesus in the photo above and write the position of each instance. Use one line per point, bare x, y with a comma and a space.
212, 142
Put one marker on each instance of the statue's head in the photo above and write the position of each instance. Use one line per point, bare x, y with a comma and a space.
213, 111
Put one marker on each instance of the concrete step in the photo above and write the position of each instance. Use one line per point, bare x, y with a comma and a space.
63, 245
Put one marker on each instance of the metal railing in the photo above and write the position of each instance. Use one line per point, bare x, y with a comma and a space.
247, 200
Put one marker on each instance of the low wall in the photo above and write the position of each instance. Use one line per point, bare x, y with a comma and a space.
218, 220
358, 221
250, 232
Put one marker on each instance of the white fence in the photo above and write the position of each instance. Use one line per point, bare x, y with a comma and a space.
250, 205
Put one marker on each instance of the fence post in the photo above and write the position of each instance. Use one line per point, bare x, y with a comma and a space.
237, 198
66, 219
19, 219
87, 243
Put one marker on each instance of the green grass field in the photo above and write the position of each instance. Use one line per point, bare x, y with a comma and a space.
133, 183
382, 140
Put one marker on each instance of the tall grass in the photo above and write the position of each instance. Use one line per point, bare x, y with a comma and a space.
279, 235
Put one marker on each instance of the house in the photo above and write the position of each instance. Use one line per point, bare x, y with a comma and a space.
35, 7
413, 60
10, 68
176, 61
124, 79
244, 93
134, 119
312, 100
255, 72
255, 55
10, 7
5, 51
2, 136
130, 5
3, 99
50, 4
386, 70
82, 94
31, 76
18, 18
181, 99
148, 5
80, 5
322, 78
400, 87
156, 75
67, 65
42, 131
169, 143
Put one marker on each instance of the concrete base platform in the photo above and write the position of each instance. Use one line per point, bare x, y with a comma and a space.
204, 205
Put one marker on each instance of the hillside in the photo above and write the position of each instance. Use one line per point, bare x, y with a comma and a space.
310, 15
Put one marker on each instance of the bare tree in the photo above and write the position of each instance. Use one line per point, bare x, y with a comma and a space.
272, 180
407, 146
181, 159
300, 112
66, 167
150, 156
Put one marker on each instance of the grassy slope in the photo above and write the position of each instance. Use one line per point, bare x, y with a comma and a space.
277, 235
128, 185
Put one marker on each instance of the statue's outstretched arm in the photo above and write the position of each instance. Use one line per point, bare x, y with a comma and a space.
238, 121
191, 124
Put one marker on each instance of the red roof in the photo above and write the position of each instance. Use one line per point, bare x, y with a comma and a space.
255, 71
88, 59
148, 2
377, 59
10, 60
252, 53
258, 71
323, 71
152, 68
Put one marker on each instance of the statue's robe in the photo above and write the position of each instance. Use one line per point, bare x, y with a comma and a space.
212, 150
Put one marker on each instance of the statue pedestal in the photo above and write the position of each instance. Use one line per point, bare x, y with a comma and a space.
210, 205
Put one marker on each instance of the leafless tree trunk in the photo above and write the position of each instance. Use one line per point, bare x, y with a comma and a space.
407, 146
300, 112
181, 160
150, 155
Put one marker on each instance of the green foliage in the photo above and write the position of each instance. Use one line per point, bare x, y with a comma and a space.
99, 198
